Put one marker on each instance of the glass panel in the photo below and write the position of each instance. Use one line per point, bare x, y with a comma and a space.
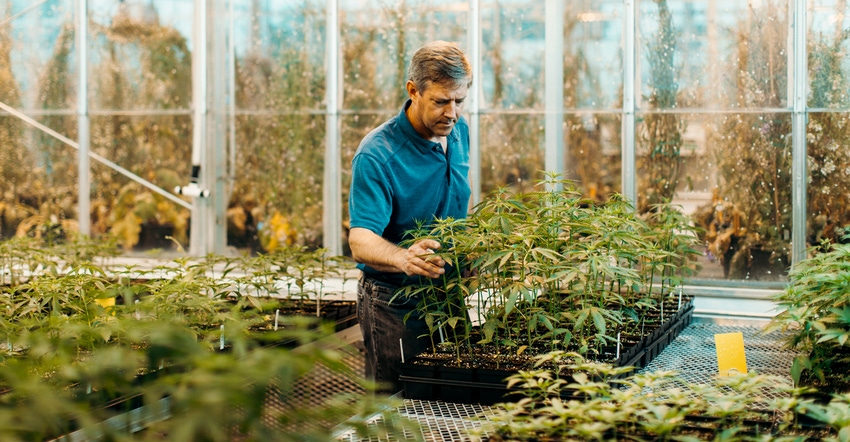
278, 187
140, 55
379, 38
38, 42
827, 135
593, 68
280, 54
511, 151
732, 174
828, 173
713, 53
157, 149
828, 44
39, 175
512, 52
829, 66
594, 155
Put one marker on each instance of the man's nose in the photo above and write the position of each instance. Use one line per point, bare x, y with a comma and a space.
451, 110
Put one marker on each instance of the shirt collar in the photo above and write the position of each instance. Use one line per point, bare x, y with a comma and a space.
421, 143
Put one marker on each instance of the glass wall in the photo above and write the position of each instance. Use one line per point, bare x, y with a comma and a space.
37, 77
593, 95
512, 91
827, 131
279, 124
714, 127
690, 101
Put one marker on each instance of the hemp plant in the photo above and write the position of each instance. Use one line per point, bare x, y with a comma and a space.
64, 357
567, 397
443, 301
816, 313
550, 270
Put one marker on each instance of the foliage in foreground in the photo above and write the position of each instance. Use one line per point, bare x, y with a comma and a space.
82, 342
816, 311
659, 406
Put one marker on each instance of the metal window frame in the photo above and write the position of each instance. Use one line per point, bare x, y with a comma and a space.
213, 115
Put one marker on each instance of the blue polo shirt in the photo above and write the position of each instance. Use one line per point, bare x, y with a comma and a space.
399, 179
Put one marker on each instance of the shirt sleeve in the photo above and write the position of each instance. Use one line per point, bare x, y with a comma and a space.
370, 196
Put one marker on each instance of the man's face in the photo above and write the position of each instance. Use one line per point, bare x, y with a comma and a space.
435, 110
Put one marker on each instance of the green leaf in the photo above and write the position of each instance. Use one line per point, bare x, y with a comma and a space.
105, 333
511, 303
545, 320
799, 364
453, 321
599, 321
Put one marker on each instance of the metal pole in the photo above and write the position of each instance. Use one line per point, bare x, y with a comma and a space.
554, 86
798, 131
215, 216
197, 243
629, 186
332, 188
21, 116
474, 110
83, 122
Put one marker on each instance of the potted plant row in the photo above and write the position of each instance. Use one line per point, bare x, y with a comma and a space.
544, 271
656, 405
83, 341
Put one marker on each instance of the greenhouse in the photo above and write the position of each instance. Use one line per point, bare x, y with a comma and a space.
476, 220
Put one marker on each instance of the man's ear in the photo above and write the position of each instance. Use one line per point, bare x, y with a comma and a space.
411, 88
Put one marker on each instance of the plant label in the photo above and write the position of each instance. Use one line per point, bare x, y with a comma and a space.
731, 359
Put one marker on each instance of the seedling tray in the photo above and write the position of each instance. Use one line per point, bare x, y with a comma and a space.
427, 379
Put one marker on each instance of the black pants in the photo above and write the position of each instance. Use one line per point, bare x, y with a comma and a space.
385, 332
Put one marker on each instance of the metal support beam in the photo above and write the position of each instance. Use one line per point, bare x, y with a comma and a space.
798, 131
83, 122
554, 86
332, 185
21, 116
629, 183
216, 127
198, 245
474, 109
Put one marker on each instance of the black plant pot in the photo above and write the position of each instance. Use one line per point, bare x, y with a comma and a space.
493, 386
458, 384
482, 384
420, 381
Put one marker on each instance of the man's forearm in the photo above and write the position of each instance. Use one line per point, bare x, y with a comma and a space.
374, 251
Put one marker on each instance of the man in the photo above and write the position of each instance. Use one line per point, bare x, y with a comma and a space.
413, 168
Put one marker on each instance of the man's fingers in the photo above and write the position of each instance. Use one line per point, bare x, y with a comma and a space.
422, 255
429, 244
432, 266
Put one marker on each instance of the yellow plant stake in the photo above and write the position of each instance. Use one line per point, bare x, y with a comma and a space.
731, 359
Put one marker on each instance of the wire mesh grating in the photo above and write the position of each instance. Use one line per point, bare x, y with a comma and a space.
437, 420
692, 354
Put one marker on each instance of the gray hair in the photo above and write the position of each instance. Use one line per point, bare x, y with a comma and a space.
439, 62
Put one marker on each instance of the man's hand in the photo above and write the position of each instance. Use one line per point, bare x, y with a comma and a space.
369, 248
420, 259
